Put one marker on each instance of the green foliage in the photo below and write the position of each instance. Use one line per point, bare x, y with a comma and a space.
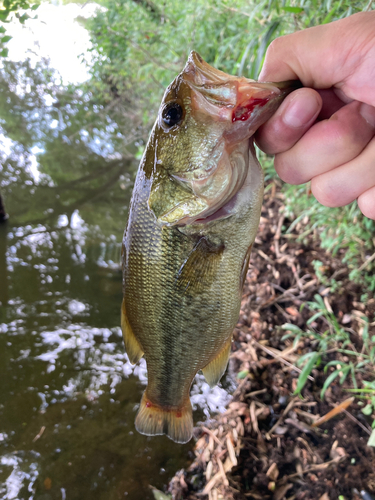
140, 46
343, 231
21, 10
159, 495
335, 339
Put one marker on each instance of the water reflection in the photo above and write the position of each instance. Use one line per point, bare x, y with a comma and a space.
68, 394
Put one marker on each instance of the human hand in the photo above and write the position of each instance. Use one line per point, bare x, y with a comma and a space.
326, 132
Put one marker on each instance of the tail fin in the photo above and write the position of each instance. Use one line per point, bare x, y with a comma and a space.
154, 420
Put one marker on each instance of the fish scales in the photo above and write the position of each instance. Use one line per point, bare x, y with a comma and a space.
192, 221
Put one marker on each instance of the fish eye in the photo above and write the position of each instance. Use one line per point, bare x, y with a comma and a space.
172, 114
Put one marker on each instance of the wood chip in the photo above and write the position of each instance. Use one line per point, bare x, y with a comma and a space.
324, 497
211, 434
209, 470
223, 475
273, 472
231, 451
253, 417
280, 492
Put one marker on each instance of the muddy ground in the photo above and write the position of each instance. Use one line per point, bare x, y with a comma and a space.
266, 445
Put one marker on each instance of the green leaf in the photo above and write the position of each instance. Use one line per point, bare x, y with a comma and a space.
295, 10
367, 410
345, 372
306, 371
5, 39
328, 382
3, 15
4, 53
314, 317
24, 18
159, 495
242, 374
371, 441
291, 327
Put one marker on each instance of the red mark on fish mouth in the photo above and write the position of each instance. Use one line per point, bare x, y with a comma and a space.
243, 112
148, 404
178, 414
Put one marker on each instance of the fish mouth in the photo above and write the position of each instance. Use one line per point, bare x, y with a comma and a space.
223, 212
239, 100
240, 105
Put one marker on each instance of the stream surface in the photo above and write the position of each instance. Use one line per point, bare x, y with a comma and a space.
68, 394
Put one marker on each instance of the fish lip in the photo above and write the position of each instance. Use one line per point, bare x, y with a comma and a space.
220, 214
200, 73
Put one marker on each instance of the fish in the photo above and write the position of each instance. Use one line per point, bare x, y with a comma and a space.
192, 221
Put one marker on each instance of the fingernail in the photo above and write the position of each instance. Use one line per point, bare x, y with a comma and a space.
368, 113
300, 111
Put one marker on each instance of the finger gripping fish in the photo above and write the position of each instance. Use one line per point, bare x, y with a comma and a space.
193, 217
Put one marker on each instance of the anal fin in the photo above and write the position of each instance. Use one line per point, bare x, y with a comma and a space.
216, 368
133, 349
176, 423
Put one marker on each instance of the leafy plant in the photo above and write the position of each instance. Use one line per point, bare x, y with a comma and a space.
336, 339
342, 231
20, 10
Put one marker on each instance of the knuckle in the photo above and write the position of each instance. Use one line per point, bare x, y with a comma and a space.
325, 191
339, 134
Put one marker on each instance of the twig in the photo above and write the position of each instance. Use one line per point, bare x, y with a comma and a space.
352, 417
325, 465
210, 433
336, 411
365, 264
265, 256
280, 358
284, 413
40, 433
255, 393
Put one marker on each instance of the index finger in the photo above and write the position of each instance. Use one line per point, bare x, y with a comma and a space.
315, 57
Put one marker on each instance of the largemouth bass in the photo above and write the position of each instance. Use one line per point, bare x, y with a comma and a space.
193, 217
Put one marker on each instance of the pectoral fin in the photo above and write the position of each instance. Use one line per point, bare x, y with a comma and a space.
199, 269
133, 349
216, 368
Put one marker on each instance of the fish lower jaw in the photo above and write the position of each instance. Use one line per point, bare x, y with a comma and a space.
223, 212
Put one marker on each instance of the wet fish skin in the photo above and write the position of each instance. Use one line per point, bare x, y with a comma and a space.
193, 218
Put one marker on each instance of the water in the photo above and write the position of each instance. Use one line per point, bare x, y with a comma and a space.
68, 394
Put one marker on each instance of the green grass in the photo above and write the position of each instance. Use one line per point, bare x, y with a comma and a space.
343, 231
349, 363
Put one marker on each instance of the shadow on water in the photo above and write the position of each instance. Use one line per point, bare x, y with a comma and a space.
68, 395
